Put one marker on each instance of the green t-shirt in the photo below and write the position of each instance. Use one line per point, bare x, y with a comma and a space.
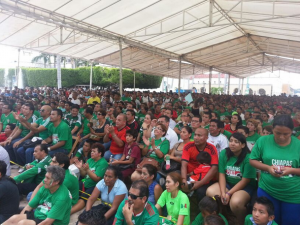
37, 113
7, 119
45, 123
222, 115
80, 155
285, 188
54, 206
180, 205
86, 129
149, 216
26, 131
61, 133
124, 99
73, 121
163, 145
199, 220
180, 125
233, 173
265, 124
98, 168
69, 181
249, 222
227, 134
252, 139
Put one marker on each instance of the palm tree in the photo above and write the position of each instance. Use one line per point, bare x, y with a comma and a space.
44, 57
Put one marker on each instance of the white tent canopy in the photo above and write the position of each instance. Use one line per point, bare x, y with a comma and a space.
237, 37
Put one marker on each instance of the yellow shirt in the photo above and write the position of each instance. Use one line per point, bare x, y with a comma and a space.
91, 100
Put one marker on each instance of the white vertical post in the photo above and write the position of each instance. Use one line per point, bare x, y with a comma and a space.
242, 91
91, 75
225, 84
121, 66
219, 79
228, 89
179, 78
209, 80
239, 89
134, 80
18, 68
58, 71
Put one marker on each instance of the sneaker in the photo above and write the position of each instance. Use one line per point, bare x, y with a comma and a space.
21, 170
14, 167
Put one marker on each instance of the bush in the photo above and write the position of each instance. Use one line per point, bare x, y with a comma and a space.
102, 76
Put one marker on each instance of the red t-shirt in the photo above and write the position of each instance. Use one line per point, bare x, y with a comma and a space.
134, 153
190, 152
200, 172
228, 128
157, 115
114, 148
3, 137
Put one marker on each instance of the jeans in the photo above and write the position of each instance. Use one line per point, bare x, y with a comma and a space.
285, 213
107, 145
21, 154
9, 148
108, 153
52, 152
29, 155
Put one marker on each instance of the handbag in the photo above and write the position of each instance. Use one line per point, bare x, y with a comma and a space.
149, 160
32, 143
173, 166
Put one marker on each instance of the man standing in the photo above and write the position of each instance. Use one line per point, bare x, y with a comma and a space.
189, 162
137, 209
75, 100
52, 203
215, 136
117, 136
59, 134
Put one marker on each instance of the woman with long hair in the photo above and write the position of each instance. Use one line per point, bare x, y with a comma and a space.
236, 121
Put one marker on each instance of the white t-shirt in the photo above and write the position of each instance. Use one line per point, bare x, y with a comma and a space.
172, 124
220, 141
77, 101
5, 157
171, 136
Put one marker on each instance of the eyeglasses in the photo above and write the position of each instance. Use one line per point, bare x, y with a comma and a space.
195, 121
158, 128
99, 114
134, 197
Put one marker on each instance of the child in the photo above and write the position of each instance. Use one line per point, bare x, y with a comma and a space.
245, 131
262, 213
199, 173
214, 220
131, 154
209, 206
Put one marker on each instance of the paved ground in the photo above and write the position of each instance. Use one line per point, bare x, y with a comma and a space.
23, 203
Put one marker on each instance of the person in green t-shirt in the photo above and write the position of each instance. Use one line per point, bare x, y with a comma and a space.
209, 206
137, 209
84, 153
92, 171
223, 113
253, 136
236, 177
52, 203
262, 213
278, 158
59, 134
74, 119
177, 202
6, 117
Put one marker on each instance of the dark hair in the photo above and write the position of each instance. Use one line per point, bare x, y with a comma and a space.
59, 112
214, 220
9, 106
100, 148
69, 103
167, 119
43, 147
150, 114
103, 112
188, 129
132, 132
115, 170
62, 158
93, 216
75, 106
11, 125
3, 169
228, 117
199, 117
152, 170
283, 120
204, 157
267, 203
208, 113
163, 127
217, 122
30, 105
210, 204
221, 124
240, 123
269, 128
89, 110
176, 177
142, 186
241, 138
89, 141
131, 111
244, 128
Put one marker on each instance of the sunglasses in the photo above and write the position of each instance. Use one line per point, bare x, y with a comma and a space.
134, 197
99, 114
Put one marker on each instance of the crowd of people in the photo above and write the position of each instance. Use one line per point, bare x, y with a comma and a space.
150, 157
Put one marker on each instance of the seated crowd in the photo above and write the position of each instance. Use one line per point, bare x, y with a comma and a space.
151, 158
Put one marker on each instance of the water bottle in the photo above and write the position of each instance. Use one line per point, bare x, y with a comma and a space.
168, 163
110, 159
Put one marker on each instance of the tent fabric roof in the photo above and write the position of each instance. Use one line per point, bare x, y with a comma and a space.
238, 37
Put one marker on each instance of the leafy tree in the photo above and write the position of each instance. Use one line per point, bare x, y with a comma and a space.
44, 57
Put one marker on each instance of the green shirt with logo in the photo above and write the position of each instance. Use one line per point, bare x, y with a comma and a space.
69, 181
45, 123
61, 133
7, 119
97, 167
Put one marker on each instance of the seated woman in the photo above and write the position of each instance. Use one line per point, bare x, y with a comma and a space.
177, 202
92, 171
236, 177
112, 191
97, 130
144, 128
236, 121
209, 206
155, 148
149, 173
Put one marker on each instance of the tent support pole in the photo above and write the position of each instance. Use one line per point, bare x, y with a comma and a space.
121, 67
179, 78
209, 81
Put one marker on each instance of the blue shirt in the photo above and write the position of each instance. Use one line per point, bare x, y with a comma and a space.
118, 189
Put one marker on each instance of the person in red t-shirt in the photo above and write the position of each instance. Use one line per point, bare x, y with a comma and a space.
189, 162
236, 121
117, 136
131, 154
7, 132
157, 112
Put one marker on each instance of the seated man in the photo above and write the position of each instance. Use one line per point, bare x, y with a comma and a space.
35, 171
52, 203
136, 209
84, 153
9, 197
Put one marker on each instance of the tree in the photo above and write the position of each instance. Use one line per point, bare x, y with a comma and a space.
216, 91
44, 57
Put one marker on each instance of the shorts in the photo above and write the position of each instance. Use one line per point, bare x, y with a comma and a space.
249, 188
87, 192
30, 216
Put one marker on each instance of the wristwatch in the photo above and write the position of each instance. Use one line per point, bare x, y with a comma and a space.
49, 149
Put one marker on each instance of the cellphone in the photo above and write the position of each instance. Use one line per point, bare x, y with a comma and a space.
278, 172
